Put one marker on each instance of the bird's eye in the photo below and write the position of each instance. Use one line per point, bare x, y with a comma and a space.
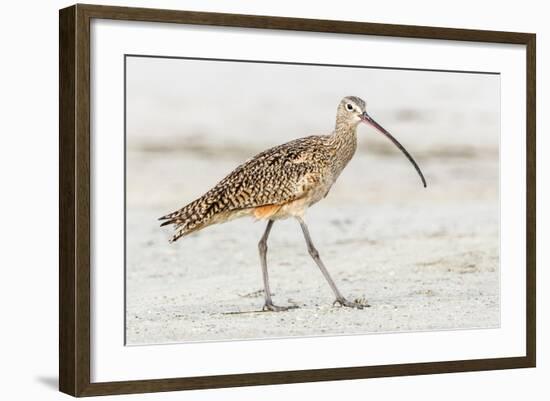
349, 107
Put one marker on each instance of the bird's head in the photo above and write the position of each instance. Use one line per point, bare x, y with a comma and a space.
352, 110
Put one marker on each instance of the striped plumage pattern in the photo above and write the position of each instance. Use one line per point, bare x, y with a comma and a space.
274, 177
302, 169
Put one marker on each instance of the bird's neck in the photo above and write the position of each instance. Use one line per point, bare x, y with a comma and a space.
344, 142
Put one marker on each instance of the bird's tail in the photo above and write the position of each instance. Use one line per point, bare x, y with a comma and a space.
194, 216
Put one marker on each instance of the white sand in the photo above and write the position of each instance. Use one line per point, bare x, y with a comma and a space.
428, 261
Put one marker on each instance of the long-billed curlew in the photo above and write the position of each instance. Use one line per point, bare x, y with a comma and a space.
283, 182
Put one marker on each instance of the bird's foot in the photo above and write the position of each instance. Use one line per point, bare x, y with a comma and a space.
269, 307
355, 304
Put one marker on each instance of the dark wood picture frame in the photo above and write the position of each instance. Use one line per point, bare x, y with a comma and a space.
74, 200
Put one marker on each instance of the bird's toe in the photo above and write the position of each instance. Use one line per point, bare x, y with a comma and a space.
269, 307
349, 304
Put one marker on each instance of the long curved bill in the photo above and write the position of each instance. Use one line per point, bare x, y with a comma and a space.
369, 120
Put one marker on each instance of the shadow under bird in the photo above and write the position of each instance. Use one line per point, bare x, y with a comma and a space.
284, 182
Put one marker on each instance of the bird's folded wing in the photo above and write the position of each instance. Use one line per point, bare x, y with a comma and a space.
274, 177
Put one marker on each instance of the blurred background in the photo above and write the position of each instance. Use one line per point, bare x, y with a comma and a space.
424, 259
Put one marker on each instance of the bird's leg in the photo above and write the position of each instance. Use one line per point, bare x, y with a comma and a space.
315, 255
262, 246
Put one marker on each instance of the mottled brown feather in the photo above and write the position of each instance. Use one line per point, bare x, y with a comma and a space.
275, 177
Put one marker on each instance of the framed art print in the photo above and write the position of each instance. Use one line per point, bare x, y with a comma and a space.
250, 200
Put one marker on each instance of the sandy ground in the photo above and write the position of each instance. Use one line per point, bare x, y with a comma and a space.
426, 262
